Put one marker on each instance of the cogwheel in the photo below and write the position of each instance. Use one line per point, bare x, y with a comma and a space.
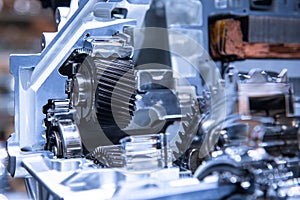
115, 95
188, 130
83, 51
109, 156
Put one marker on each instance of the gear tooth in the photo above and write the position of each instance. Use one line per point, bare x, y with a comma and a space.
189, 116
176, 155
185, 126
175, 150
178, 143
179, 147
181, 135
194, 109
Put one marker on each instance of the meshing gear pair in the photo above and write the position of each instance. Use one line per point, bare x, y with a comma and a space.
103, 96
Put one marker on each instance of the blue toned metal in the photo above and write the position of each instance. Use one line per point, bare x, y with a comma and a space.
37, 78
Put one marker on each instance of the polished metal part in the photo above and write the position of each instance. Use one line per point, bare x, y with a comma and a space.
268, 87
37, 78
71, 141
187, 132
181, 134
77, 178
62, 135
109, 156
146, 153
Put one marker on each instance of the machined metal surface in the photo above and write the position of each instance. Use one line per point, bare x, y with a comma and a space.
35, 83
78, 179
110, 110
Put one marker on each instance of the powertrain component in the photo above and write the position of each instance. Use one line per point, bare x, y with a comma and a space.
115, 106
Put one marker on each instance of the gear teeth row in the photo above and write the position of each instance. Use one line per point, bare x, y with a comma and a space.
84, 51
109, 156
189, 130
189, 116
185, 126
115, 93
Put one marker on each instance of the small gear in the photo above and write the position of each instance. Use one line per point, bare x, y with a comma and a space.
109, 156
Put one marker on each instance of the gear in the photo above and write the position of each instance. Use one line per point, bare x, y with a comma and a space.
62, 134
115, 95
188, 130
109, 156
112, 102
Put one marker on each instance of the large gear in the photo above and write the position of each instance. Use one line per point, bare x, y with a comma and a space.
114, 96
103, 92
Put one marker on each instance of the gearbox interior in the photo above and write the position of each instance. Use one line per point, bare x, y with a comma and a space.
161, 99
